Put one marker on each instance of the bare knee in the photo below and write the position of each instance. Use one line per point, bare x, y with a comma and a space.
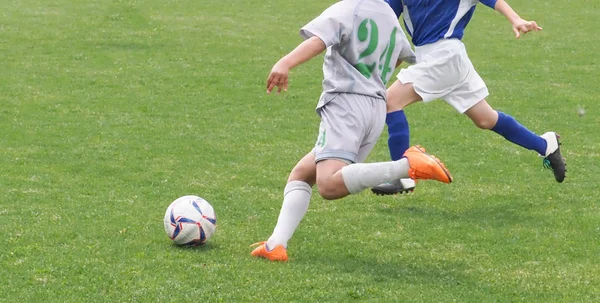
330, 182
483, 115
331, 187
327, 190
485, 122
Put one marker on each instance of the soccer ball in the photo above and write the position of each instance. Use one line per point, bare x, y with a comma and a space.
190, 221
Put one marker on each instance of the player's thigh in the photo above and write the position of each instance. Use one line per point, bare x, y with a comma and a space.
350, 127
483, 115
326, 169
341, 130
442, 67
432, 79
400, 95
469, 96
330, 181
305, 170
373, 131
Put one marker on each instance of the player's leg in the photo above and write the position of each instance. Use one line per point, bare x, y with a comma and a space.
485, 117
469, 98
547, 145
399, 96
425, 81
399, 136
337, 179
416, 164
330, 183
348, 122
296, 198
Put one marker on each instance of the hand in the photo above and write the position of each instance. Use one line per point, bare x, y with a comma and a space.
278, 77
524, 26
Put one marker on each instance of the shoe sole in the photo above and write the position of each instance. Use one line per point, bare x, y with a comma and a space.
562, 177
385, 193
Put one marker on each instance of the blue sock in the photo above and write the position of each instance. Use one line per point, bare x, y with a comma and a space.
399, 136
516, 133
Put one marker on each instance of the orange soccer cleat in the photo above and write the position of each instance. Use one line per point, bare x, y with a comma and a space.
279, 253
424, 166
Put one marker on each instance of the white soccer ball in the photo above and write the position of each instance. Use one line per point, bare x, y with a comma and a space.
190, 221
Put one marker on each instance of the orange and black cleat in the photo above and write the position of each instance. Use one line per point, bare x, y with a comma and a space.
424, 166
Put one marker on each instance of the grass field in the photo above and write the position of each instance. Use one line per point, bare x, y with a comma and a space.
109, 110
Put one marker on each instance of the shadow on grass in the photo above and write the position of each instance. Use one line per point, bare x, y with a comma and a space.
497, 215
199, 248
400, 272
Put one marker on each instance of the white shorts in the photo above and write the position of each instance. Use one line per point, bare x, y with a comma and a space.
444, 71
350, 127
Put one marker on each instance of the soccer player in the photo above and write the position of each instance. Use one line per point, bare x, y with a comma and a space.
444, 71
364, 43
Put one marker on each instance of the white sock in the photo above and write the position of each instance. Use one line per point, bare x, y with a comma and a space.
360, 176
551, 142
296, 198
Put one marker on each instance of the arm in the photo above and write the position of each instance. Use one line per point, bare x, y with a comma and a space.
302, 53
519, 25
326, 30
505, 9
406, 53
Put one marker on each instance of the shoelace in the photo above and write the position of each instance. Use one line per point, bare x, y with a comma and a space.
546, 163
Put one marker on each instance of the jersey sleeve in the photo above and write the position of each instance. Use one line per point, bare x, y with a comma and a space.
333, 25
396, 6
406, 53
490, 3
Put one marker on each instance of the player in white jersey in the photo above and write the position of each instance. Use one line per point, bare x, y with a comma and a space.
444, 71
364, 43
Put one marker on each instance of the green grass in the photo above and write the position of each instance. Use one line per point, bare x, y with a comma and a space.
109, 110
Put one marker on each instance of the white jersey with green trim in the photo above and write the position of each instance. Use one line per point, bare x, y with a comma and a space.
364, 41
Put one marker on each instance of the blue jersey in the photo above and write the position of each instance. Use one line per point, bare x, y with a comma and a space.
428, 21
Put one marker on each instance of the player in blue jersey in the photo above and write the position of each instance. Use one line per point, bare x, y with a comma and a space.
444, 71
